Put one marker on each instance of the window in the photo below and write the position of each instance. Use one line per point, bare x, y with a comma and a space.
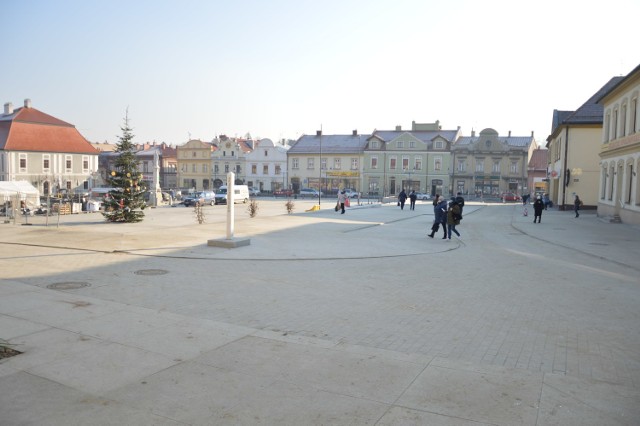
412, 144
323, 164
615, 125
374, 144
496, 166
513, 168
438, 145
392, 163
205, 168
265, 169
418, 164
145, 167
216, 169
400, 144
311, 163
462, 165
294, 164
278, 169
354, 164
623, 122
68, 185
266, 153
224, 153
46, 163
194, 168
336, 164
633, 122
23, 163
437, 163
238, 169
85, 163
68, 164
374, 162
254, 169
480, 165
607, 127
226, 168
405, 163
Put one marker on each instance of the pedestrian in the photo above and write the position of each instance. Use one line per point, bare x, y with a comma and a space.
342, 196
440, 218
538, 206
460, 201
402, 197
546, 200
453, 217
435, 199
577, 203
412, 198
525, 199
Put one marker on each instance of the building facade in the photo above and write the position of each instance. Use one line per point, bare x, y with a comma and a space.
45, 151
489, 165
267, 166
194, 165
537, 180
326, 162
418, 160
230, 155
574, 152
619, 187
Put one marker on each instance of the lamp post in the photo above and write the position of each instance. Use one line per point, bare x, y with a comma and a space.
320, 168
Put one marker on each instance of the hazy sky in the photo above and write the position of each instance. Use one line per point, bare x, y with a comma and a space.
280, 68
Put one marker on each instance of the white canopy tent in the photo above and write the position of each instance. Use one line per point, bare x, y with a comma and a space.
20, 190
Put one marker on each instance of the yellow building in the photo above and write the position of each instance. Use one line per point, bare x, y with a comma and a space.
574, 148
619, 187
194, 165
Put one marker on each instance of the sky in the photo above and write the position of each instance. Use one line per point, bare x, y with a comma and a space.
283, 68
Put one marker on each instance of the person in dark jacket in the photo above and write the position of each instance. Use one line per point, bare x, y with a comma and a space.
453, 217
440, 214
538, 206
412, 198
576, 205
402, 197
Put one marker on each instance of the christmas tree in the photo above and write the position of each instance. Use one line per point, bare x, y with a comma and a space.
126, 201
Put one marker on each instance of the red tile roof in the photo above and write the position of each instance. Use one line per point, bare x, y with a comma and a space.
28, 129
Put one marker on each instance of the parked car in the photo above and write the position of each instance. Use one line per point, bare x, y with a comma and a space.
510, 196
423, 196
283, 193
253, 191
351, 193
310, 192
203, 197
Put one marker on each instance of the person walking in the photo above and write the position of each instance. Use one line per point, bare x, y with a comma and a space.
412, 198
546, 200
402, 197
538, 206
453, 217
577, 203
342, 196
440, 218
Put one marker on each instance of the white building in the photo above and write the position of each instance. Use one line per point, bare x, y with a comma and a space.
267, 166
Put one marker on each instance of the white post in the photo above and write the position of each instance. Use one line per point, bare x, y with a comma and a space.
231, 177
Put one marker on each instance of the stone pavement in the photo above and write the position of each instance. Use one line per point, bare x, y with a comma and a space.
323, 319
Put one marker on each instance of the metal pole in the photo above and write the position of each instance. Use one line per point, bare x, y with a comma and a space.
230, 204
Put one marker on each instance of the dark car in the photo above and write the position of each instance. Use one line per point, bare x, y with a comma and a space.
203, 197
510, 196
283, 193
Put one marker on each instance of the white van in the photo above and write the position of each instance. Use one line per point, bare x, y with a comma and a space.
240, 194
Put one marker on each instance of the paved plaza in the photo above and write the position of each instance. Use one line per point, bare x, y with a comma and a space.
323, 319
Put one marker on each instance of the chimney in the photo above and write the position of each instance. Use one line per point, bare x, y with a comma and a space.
355, 133
398, 128
318, 132
8, 108
532, 133
473, 133
27, 103
509, 133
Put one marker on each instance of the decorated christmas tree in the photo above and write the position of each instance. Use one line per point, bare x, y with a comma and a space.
126, 201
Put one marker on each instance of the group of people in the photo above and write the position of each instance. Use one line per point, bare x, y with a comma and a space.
541, 204
447, 214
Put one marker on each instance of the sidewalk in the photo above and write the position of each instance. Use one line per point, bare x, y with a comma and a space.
323, 319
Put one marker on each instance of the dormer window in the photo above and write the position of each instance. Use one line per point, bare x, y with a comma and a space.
439, 145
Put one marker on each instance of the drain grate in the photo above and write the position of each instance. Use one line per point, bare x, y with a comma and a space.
151, 272
68, 285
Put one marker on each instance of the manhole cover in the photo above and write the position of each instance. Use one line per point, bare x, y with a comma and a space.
70, 285
151, 272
